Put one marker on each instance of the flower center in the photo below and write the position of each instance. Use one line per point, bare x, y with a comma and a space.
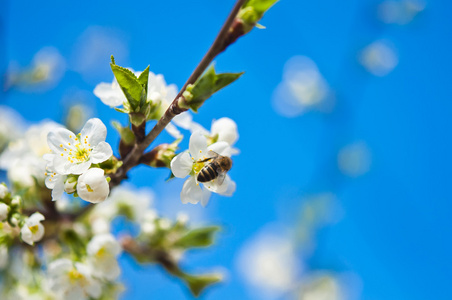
34, 229
89, 188
74, 275
197, 166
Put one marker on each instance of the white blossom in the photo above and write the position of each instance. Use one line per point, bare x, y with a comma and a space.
147, 223
379, 58
321, 286
125, 201
192, 162
53, 181
268, 263
73, 281
3, 211
110, 93
303, 88
33, 231
92, 186
76, 153
103, 251
158, 93
23, 157
3, 191
222, 130
11, 126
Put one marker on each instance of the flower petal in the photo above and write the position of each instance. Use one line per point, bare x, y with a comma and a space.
92, 186
109, 93
183, 120
181, 165
226, 129
59, 139
191, 192
172, 130
58, 187
221, 148
197, 145
94, 131
101, 152
227, 188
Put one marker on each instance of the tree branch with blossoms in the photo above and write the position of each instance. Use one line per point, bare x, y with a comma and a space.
80, 253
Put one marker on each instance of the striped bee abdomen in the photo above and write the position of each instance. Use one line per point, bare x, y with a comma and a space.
208, 173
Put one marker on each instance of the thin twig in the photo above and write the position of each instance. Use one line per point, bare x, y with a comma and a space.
218, 46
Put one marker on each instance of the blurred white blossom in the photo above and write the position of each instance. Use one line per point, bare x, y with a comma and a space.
355, 159
269, 264
400, 12
321, 287
45, 71
22, 159
124, 200
303, 88
4, 209
12, 126
103, 251
3, 190
379, 58
73, 281
33, 231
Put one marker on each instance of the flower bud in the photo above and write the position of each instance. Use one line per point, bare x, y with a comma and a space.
70, 185
4, 209
92, 186
3, 191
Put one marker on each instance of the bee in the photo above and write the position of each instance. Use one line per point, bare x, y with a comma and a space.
217, 167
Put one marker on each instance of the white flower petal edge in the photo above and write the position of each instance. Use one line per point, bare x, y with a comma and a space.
197, 145
103, 250
93, 132
110, 94
72, 281
92, 186
182, 165
192, 192
226, 129
33, 231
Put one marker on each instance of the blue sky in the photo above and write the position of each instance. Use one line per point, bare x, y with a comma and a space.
396, 227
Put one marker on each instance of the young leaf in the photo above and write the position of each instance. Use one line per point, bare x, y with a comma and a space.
260, 6
209, 83
129, 84
200, 237
198, 283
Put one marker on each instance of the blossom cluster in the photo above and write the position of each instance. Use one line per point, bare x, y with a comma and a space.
72, 165
203, 143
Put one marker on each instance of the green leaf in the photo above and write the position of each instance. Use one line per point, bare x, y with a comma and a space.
198, 283
225, 79
200, 237
209, 83
129, 84
121, 110
143, 78
260, 6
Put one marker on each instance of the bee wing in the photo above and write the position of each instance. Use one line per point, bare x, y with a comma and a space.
221, 177
210, 155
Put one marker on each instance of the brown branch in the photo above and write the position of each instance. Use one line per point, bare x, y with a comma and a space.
225, 37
